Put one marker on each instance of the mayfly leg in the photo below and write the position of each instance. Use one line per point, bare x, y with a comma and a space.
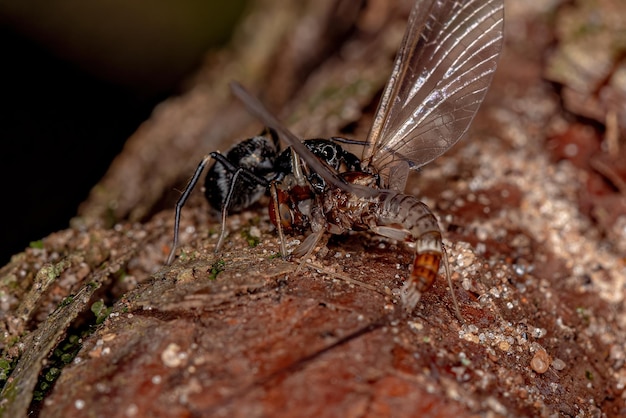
446, 266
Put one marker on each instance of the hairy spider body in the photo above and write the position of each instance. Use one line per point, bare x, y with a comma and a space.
244, 173
257, 156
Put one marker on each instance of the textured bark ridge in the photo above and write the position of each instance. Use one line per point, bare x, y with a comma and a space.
94, 324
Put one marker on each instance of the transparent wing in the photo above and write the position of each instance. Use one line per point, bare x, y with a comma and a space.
440, 77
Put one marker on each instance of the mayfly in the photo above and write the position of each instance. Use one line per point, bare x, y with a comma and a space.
441, 74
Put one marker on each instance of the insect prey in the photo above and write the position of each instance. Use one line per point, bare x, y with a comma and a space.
441, 74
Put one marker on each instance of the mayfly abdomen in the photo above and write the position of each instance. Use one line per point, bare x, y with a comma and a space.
394, 215
405, 217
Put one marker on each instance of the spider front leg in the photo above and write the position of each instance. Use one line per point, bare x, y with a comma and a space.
236, 173
275, 214
292, 201
229, 197
181, 202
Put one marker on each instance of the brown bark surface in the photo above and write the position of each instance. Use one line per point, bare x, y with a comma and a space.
538, 270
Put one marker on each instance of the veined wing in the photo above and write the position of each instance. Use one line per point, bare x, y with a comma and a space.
440, 77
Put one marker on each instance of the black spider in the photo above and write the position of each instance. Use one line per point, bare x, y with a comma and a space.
244, 173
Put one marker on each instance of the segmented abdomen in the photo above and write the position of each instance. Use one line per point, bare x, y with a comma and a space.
418, 225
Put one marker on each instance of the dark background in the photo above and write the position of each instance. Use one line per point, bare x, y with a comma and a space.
75, 84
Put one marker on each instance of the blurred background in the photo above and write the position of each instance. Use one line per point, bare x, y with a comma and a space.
76, 80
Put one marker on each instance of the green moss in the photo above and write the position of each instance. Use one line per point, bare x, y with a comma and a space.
583, 314
250, 239
9, 394
6, 366
69, 299
61, 356
53, 271
10, 282
217, 268
187, 256
120, 275
101, 311
51, 374
36, 244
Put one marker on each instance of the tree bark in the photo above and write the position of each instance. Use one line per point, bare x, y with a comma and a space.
245, 333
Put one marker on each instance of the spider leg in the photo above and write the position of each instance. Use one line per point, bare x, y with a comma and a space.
279, 226
225, 206
237, 171
296, 168
234, 169
181, 202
